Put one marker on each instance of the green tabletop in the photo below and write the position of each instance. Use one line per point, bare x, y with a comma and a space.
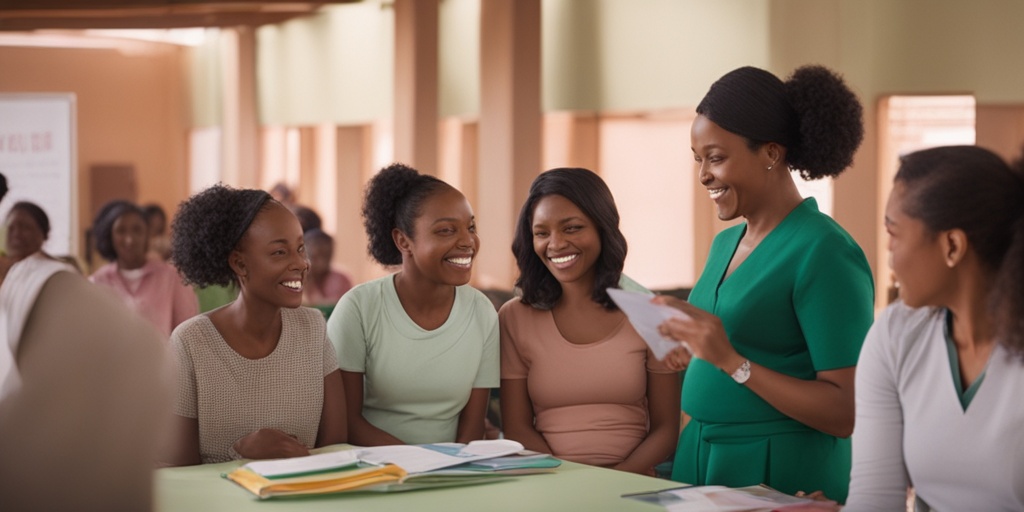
571, 487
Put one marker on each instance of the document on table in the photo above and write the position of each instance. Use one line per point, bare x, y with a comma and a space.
646, 317
304, 465
418, 459
714, 498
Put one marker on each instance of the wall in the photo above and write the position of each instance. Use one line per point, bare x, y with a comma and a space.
132, 108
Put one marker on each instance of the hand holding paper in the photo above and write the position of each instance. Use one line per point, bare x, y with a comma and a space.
646, 317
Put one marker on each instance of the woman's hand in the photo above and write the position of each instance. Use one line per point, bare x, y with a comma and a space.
269, 443
701, 332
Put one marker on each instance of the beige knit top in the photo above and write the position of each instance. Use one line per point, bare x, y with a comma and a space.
233, 396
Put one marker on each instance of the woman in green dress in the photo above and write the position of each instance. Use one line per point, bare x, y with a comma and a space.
776, 320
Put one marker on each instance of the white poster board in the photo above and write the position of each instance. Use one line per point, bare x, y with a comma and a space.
38, 157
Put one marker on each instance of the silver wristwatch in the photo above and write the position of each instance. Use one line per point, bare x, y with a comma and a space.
742, 373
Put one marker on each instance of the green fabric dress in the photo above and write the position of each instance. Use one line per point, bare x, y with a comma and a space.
800, 303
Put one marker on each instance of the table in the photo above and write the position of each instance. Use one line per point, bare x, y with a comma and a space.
573, 487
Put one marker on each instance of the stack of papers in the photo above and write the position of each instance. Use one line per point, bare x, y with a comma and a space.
390, 469
716, 498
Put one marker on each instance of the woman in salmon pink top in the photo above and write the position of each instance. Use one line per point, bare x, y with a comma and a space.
148, 286
577, 381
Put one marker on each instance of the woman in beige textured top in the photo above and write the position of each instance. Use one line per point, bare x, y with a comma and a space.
577, 381
258, 378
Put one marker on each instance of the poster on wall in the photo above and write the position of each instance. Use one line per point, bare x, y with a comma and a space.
38, 157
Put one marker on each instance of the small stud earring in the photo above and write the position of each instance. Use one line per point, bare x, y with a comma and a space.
770, 166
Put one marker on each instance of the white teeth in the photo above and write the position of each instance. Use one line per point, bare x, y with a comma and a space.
294, 285
462, 262
716, 192
564, 259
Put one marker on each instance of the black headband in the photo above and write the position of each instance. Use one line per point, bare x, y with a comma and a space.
255, 201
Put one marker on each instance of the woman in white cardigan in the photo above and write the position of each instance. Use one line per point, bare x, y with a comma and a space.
940, 377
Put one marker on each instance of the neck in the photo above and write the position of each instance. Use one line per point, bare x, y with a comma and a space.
130, 265
972, 325
256, 319
421, 294
780, 199
577, 294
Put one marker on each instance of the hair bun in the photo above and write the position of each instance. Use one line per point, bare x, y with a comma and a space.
830, 122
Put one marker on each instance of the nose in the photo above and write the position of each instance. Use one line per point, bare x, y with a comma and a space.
466, 240
557, 241
300, 261
703, 175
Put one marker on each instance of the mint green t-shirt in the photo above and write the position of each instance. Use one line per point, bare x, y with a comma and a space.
416, 382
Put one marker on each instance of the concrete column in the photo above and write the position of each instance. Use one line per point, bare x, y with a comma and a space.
510, 129
416, 83
240, 138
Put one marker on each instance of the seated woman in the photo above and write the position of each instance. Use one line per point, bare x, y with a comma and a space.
418, 349
325, 284
577, 381
148, 286
258, 378
941, 372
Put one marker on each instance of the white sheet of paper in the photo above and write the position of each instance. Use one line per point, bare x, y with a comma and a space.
646, 317
307, 464
417, 459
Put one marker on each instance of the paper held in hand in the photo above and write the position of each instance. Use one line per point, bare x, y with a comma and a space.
646, 317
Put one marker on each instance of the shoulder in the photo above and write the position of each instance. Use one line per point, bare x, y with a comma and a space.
477, 299
194, 330
729, 234
899, 328
370, 291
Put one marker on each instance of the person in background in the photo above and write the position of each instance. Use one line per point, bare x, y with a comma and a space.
308, 218
942, 369
577, 381
85, 392
28, 228
324, 285
159, 241
777, 318
418, 349
148, 286
258, 378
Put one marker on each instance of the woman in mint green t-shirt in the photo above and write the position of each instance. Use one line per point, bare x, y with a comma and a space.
418, 349
779, 313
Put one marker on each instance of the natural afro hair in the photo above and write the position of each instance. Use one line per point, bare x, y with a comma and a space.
829, 119
103, 225
394, 199
207, 227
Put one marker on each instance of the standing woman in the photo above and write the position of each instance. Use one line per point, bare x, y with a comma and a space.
258, 378
148, 286
778, 316
418, 349
940, 378
577, 381
28, 228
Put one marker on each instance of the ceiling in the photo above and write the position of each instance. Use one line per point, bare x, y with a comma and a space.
85, 14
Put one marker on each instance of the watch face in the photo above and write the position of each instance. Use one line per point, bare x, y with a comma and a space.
742, 373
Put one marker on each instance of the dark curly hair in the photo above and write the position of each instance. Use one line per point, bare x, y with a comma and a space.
813, 114
973, 189
207, 227
394, 199
590, 194
103, 225
38, 215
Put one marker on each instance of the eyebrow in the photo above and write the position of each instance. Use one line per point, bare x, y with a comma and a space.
472, 218
709, 146
565, 220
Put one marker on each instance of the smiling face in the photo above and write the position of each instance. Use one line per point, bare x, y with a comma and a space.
444, 240
24, 235
565, 239
271, 259
734, 175
130, 239
915, 254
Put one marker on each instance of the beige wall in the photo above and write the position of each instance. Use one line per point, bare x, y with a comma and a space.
132, 108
